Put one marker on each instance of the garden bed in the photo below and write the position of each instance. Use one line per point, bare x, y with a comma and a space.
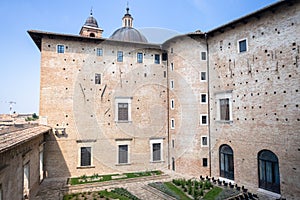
193, 189
117, 193
101, 178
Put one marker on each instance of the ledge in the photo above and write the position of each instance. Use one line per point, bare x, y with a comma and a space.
85, 167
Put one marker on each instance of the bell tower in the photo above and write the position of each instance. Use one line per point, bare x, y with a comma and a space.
91, 28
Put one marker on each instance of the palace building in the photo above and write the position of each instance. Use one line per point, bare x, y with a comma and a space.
223, 104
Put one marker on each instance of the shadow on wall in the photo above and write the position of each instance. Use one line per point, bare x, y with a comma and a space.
55, 164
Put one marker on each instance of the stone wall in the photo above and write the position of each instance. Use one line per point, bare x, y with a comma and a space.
70, 99
185, 65
12, 164
264, 83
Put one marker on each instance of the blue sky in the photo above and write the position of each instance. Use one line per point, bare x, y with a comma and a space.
20, 58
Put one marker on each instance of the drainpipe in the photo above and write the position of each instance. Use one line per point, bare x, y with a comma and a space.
208, 105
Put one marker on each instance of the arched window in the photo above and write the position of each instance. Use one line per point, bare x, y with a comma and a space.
92, 34
268, 171
226, 162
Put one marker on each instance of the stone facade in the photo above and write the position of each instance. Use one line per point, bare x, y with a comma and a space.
20, 162
264, 84
174, 101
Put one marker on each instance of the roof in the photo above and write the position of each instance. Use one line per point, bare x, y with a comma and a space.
12, 139
38, 35
91, 21
256, 14
128, 34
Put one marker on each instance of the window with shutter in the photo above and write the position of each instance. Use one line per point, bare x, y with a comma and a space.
123, 111
123, 154
156, 151
224, 109
85, 158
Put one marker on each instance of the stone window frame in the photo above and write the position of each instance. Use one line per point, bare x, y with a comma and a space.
224, 95
201, 121
207, 142
99, 52
238, 45
60, 48
172, 123
119, 56
98, 78
120, 142
172, 66
127, 100
172, 104
139, 57
203, 55
171, 84
156, 58
86, 144
201, 102
156, 141
41, 162
205, 80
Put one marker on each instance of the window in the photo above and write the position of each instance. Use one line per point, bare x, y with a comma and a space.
120, 56
226, 162
26, 178
203, 77
204, 141
97, 78
60, 48
173, 163
140, 57
85, 156
172, 104
173, 143
123, 109
204, 162
172, 123
203, 119
156, 150
242, 45
99, 52
224, 109
41, 163
203, 55
1, 192
164, 56
156, 58
268, 171
123, 154
172, 67
171, 84
171, 50
203, 98
224, 106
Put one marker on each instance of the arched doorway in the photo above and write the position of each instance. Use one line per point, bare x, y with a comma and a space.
268, 171
226, 162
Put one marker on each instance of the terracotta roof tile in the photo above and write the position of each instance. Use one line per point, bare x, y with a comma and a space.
14, 138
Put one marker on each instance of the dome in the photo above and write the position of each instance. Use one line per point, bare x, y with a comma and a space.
128, 34
91, 21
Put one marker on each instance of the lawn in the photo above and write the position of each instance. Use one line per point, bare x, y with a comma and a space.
212, 194
189, 189
100, 178
117, 193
